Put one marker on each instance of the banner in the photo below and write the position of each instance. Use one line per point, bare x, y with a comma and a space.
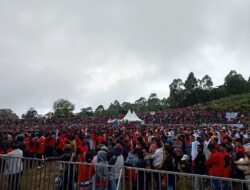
231, 116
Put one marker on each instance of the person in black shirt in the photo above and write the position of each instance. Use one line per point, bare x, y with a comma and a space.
67, 175
199, 167
199, 161
141, 163
168, 165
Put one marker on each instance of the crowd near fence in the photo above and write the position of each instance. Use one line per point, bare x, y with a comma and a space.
23, 174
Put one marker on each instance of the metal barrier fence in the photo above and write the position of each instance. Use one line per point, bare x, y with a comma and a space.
35, 174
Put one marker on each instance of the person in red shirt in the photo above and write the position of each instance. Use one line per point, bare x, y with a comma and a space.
1, 151
239, 149
82, 149
41, 142
86, 172
227, 169
215, 166
27, 140
61, 142
78, 140
33, 146
152, 147
99, 139
50, 143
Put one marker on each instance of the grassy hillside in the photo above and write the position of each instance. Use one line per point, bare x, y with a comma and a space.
232, 103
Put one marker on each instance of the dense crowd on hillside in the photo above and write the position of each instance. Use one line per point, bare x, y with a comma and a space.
174, 116
214, 150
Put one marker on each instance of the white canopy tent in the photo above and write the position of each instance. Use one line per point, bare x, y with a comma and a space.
136, 118
131, 117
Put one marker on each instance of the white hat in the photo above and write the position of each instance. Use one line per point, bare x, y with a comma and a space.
184, 157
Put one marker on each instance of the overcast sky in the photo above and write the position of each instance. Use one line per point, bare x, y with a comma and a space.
94, 52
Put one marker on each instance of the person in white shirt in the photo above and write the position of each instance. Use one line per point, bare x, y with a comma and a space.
157, 162
157, 156
114, 172
194, 145
13, 166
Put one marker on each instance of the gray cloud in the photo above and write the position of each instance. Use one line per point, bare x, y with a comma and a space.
93, 52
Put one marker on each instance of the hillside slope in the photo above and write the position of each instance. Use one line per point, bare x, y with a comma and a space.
237, 103
233, 103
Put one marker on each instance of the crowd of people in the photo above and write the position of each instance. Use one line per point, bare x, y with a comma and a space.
215, 150
173, 116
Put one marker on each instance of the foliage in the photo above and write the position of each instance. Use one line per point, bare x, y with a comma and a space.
99, 110
206, 83
191, 92
127, 106
195, 91
30, 114
235, 83
154, 103
141, 105
7, 114
191, 83
177, 93
233, 103
87, 111
63, 108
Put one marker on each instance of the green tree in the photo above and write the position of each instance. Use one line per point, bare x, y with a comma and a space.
164, 103
198, 95
248, 89
191, 83
117, 106
153, 103
141, 105
217, 93
31, 114
127, 106
99, 110
235, 83
176, 86
63, 108
114, 108
177, 93
206, 83
87, 111
7, 114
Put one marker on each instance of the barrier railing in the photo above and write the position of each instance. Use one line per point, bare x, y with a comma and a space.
35, 174
119, 183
